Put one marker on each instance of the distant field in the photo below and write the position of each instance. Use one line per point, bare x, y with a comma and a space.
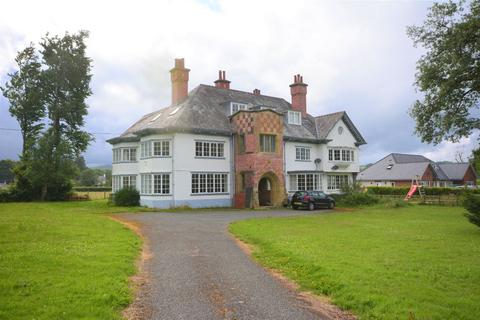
418, 262
64, 260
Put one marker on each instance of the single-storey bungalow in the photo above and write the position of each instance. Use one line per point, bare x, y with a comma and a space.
398, 169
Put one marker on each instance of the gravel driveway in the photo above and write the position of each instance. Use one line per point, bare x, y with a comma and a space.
198, 272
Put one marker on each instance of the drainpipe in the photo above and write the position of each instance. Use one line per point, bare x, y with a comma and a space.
285, 168
232, 169
173, 169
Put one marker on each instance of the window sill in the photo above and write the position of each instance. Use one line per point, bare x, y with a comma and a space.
156, 194
153, 157
125, 162
298, 160
209, 194
215, 158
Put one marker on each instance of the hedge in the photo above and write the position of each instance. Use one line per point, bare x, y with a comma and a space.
430, 191
92, 189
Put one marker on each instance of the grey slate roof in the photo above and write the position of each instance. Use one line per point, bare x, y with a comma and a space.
407, 166
409, 158
206, 110
455, 171
398, 171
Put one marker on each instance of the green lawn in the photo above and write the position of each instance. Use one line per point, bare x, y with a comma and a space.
421, 261
64, 260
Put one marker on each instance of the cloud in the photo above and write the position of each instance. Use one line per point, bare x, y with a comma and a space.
354, 55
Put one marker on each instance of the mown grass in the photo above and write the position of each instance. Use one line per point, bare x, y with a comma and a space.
418, 262
64, 260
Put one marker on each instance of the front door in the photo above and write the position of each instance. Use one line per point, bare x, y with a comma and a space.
264, 192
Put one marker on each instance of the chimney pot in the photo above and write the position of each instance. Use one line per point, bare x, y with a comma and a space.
256, 92
222, 81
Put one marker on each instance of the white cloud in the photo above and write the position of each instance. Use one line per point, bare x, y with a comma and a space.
354, 55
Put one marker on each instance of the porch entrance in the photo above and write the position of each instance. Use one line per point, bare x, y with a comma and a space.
265, 192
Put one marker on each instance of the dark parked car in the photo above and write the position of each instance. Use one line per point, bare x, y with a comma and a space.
312, 200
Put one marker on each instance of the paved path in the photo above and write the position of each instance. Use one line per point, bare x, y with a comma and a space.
198, 272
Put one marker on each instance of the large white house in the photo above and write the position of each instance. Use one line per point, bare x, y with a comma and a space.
215, 146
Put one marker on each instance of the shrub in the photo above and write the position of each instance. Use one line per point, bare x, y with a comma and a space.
92, 189
359, 199
395, 203
471, 202
126, 197
431, 191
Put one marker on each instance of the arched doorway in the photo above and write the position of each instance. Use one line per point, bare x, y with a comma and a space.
265, 192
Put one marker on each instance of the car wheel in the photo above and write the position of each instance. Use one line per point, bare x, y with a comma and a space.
331, 205
311, 206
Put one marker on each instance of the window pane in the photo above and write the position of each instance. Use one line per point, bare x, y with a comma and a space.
210, 183
198, 149
336, 154
218, 185
224, 183
220, 150
330, 155
203, 186
157, 148
213, 150
206, 149
165, 183
195, 183
165, 148
157, 183
301, 182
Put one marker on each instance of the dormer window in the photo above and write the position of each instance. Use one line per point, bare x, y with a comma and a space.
235, 107
294, 117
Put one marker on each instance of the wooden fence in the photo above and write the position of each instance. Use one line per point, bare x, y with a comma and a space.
443, 200
91, 195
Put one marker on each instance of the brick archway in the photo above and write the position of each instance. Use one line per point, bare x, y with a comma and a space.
269, 190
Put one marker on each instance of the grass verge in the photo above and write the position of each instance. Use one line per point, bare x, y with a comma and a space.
64, 260
417, 262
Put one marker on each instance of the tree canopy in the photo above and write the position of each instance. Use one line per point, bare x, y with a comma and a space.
48, 98
448, 74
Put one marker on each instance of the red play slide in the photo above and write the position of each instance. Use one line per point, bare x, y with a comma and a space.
410, 193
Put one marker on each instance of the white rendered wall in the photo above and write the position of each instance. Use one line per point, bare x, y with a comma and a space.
185, 162
344, 140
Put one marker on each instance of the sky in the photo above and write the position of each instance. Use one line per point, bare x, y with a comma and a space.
354, 55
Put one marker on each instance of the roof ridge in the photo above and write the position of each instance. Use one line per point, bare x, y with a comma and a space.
329, 114
241, 91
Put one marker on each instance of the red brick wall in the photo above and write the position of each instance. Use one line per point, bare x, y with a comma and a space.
252, 124
428, 175
470, 176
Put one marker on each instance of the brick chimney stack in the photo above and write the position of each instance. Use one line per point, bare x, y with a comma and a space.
179, 76
298, 89
256, 92
222, 81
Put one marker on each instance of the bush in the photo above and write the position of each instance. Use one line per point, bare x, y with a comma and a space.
126, 197
395, 203
471, 202
430, 191
359, 199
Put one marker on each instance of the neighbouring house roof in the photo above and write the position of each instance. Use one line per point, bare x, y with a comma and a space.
455, 171
399, 166
400, 171
206, 111
409, 158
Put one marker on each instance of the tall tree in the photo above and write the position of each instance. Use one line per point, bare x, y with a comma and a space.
23, 92
448, 74
66, 86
